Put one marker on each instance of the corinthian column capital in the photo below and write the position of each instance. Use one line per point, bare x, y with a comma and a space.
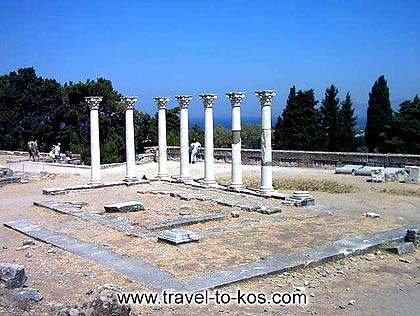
208, 99
129, 102
161, 102
93, 102
265, 96
183, 100
235, 98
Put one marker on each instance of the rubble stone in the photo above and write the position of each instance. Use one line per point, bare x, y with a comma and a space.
12, 275
131, 206
402, 248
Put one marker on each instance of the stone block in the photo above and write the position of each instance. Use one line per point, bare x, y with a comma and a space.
402, 248
131, 206
269, 210
184, 196
149, 177
413, 235
8, 180
248, 208
301, 199
178, 236
226, 203
29, 293
12, 275
203, 198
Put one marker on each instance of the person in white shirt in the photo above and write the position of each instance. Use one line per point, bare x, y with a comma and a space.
195, 145
57, 152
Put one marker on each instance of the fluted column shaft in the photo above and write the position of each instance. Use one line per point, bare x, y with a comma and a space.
183, 101
95, 152
163, 160
265, 98
236, 172
130, 150
209, 175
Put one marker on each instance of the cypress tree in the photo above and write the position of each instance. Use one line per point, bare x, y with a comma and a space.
329, 118
346, 122
379, 117
300, 126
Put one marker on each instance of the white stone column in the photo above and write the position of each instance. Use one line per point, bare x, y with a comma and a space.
183, 101
130, 175
208, 101
265, 97
95, 152
163, 160
236, 174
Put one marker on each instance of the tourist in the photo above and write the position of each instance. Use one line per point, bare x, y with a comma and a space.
195, 145
35, 150
31, 150
57, 153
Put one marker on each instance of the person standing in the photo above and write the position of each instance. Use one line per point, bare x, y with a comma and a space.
31, 150
195, 145
35, 150
57, 152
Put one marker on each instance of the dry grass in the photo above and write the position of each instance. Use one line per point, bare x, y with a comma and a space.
292, 184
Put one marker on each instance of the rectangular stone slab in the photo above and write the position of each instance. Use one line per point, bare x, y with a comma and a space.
178, 236
131, 206
148, 274
51, 191
269, 210
185, 221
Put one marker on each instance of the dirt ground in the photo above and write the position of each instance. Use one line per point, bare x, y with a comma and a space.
382, 284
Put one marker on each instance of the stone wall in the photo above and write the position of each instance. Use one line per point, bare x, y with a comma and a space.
309, 158
294, 158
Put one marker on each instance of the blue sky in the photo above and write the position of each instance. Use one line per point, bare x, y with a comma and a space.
150, 48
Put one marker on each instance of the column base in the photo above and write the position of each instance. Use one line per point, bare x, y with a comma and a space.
210, 182
267, 190
95, 182
236, 186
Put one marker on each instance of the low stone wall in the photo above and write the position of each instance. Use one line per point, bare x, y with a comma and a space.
310, 158
291, 157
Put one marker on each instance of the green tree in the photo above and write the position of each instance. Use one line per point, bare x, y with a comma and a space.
146, 130
346, 125
172, 126
26, 104
222, 137
198, 133
329, 118
299, 128
379, 117
277, 134
251, 136
406, 128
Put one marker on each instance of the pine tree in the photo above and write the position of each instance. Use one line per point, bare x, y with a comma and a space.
406, 128
329, 118
346, 122
379, 117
